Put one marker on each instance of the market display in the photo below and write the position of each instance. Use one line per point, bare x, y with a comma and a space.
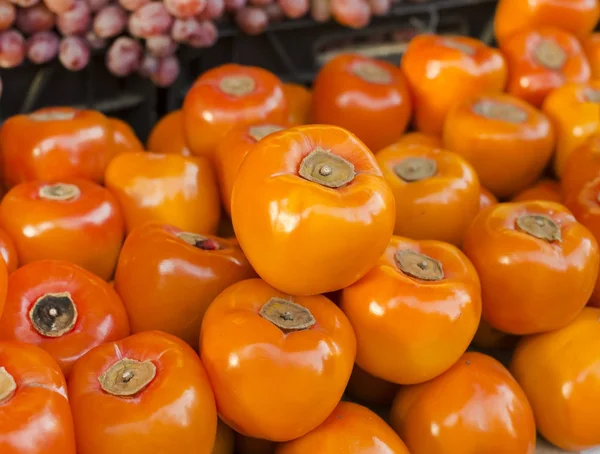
399, 259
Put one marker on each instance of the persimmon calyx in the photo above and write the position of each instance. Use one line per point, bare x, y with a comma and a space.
8, 386
539, 226
241, 85
457, 45
327, 169
52, 116
418, 265
53, 314
549, 54
372, 73
502, 111
286, 315
127, 377
59, 191
199, 241
416, 169
592, 95
260, 131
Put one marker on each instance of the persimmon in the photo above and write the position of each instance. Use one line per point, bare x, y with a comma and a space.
545, 189
256, 343
391, 311
436, 192
63, 309
317, 193
486, 198
231, 152
168, 188
559, 374
123, 137
8, 251
227, 96
418, 138
73, 220
350, 429
167, 135
160, 263
463, 67
506, 140
298, 99
364, 95
225, 439
575, 16
34, 410
488, 337
476, 406
56, 143
147, 393
581, 167
369, 389
591, 47
537, 265
542, 59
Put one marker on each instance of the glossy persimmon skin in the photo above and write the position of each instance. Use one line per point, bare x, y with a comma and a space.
438, 207
508, 155
369, 389
475, 406
377, 112
591, 47
531, 285
101, 314
559, 373
275, 210
418, 138
175, 412
156, 266
37, 418
459, 74
532, 81
8, 251
177, 190
209, 113
124, 137
545, 189
298, 99
581, 167
486, 198
78, 146
167, 135
268, 392
398, 318
87, 231
575, 16
350, 429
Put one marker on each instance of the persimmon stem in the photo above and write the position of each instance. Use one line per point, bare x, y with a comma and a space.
457, 45
539, 226
127, 377
241, 85
502, 111
287, 315
418, 265
260, 131
59, 191
8, 386
327, 169
416, 169
199, 241
549, 54
53, 314
372, 72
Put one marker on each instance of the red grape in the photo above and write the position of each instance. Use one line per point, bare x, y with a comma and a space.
214, 10
233, 5
25, 3
97, 5
74, 53
132, 5
161, 45
275, 12
110, 21
148, 66
294, 9
351, 13
76, 20
320, 10
8, 13
42, 47
195, 33
94, 41
124, 56
185, 8
167, 71
150, 19
380, 7
59, 6
252, 20
38, 18
12, 48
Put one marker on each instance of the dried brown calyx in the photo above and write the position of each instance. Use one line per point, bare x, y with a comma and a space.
418, 265
539, 226
286, 315
127, 377
327, 169
550, 55
53, 314
502, 111
59, 191
237, 85
8, 386
372, 72
261, 131
416, 169
199, 241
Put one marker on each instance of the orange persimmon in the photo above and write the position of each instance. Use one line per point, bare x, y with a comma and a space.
8, 251
418, 138
311, 209
545, 189
581, 167
537, 265
591, 47
364, 95
167, 135
436, 192
73, 220
169, 188
476, 406
486, 198
542, 59
462, 67
298, 98
507, 141
227, 96
123, 137
147, 393
278, 364
369, 389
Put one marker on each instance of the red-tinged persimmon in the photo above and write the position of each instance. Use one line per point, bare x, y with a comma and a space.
476, 406
298, 99
591, 47
169, 188
542, 59
278, 364
123, 136
316, 193
227, 96
418, 138
537, 265
581, 167
8, 252
160, 263
575, 16
34, 410
167, 135
225, 439
507, 141
56, 143
147, 393
369, 389
486, 198
350, 429
73, 220
231, 152
249, 445
392, 311
545, 189
366, 96
436, 192
488, 337
463, 67
560, 376
63, 309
